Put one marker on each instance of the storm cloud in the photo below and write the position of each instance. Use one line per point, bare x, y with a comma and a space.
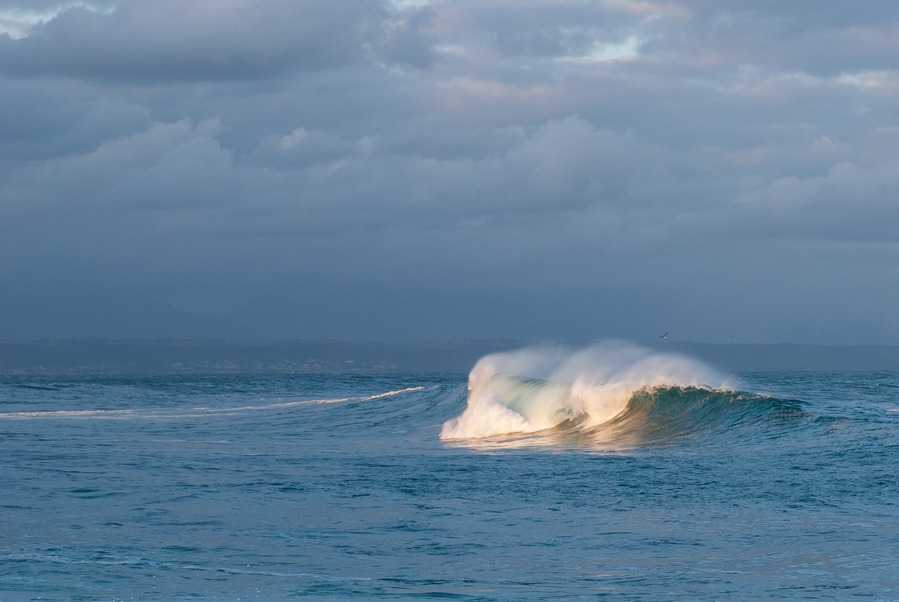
538, 170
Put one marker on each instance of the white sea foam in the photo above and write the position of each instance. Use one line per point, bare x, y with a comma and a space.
538, 388
192, 412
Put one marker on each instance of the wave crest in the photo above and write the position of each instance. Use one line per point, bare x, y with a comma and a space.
535, 389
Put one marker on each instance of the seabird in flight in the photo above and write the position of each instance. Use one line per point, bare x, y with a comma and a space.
664, 336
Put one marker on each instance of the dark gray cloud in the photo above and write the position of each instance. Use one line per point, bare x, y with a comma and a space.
817, 38
534, 170
169, 40
408, 38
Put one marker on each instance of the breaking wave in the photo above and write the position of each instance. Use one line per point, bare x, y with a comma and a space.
608, 391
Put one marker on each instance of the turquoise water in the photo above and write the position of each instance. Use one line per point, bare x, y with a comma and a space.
323, 487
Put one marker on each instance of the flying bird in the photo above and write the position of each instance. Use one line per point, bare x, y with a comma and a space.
664, 336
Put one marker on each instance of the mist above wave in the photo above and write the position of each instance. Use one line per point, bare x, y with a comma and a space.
539, 388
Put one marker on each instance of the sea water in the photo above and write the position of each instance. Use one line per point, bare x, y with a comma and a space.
547, 476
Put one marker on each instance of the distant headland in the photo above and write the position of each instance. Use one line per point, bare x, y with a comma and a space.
100, 356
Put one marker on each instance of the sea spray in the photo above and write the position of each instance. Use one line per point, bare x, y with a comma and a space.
538, 388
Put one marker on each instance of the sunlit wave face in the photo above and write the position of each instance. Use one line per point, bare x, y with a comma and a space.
537, 389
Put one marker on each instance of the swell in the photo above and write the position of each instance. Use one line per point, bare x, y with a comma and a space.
663, 415
197, 411
612, 394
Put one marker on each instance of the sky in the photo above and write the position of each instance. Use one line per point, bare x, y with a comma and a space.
538, 170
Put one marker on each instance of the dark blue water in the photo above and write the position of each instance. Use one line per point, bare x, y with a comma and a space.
231, 487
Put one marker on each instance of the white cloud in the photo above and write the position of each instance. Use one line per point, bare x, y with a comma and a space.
629, 48
407, 4
18, 22
293, 138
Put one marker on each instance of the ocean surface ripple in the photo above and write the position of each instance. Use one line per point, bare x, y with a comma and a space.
655, 479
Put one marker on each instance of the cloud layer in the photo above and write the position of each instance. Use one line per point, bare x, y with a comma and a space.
523, 169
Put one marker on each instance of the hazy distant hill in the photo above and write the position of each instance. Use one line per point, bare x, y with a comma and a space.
788, 356
200, 357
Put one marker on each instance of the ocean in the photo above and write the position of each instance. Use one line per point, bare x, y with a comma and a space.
547, 474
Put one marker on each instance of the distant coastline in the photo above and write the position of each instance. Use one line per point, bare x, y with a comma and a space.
785, 357
99, 356
172, 356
